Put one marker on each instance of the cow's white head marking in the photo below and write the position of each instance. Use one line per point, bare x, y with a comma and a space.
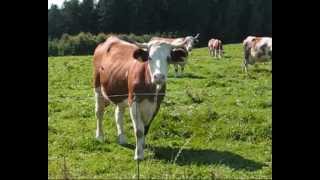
157, 54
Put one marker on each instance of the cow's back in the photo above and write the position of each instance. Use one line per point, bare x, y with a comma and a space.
167, 40
262, 49
161, 39
112, 61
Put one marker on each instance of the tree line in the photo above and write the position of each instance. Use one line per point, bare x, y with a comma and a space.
85, 43
228, 20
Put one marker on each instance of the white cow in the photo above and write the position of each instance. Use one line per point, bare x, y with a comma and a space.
256, 49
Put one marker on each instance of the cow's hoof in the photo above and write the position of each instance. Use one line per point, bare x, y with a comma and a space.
122, 140
138, 158
100, 138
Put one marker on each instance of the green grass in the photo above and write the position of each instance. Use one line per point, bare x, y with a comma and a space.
219, 119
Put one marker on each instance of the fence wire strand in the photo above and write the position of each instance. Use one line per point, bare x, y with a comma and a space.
82, 98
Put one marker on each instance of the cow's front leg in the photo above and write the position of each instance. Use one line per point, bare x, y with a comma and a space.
138, 126
182, 68
245, 66
219, 53
176, 70
215, 53
99, 111
119, 111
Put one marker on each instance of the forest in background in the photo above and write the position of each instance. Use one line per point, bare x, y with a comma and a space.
229, 20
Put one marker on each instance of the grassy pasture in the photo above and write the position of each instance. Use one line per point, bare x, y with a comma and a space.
215, 122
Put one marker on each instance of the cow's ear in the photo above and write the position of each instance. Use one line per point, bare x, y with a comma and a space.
141, 55
178, 55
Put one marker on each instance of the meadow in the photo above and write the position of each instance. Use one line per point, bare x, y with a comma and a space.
215, 123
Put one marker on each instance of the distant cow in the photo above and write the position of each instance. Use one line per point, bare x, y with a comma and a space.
215, 46
256, 49
184, 51
126, 74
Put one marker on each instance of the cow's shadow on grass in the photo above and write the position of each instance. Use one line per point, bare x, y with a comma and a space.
187, 75
262, 70
227, 57
203, 157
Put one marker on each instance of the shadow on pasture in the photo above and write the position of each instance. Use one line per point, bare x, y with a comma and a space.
129, 146
261, 70
227, 57
187, 76
206, 157
202, 157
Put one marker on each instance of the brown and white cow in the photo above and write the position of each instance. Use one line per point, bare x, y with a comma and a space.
256, 49
183, 51
215, 46
126, 74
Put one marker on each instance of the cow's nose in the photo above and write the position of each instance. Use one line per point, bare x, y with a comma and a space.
159, 77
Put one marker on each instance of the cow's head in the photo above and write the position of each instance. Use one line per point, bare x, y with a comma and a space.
247, 43
157, 54
191, 40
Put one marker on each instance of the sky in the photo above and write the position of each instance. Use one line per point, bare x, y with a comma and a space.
57, 2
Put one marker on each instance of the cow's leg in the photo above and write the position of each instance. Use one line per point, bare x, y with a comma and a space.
245, 66
176, 70
182, 68
215, 53
101, 103
119, 111
246, 59
138, 127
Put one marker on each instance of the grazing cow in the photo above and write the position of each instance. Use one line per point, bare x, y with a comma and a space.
215, 46
184, 51
256, 49
126, 74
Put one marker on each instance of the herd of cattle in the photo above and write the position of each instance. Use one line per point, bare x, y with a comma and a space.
134, 74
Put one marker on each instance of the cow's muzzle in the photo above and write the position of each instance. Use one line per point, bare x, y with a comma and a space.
159, 78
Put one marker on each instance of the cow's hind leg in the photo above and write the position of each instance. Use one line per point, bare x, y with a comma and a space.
119, 111
138, 126
101, 103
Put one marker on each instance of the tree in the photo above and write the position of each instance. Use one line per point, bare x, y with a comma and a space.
106, 15
228, 20
55, 22
88, 16
71, 15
